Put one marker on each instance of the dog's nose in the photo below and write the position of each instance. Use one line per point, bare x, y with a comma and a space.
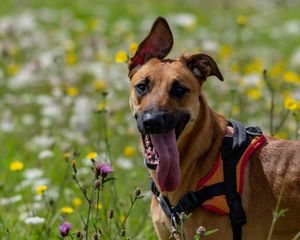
152, 122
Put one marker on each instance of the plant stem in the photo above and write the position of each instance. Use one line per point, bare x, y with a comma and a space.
89, 213
297, 236
275, 217
281, 122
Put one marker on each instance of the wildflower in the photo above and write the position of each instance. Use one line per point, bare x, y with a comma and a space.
123, 233
99, 85
71, 58
97, 183
241, 20
77, 202
95, 236
72, 91
93, 24
40, 190
201, 231
102, 169
98, 206
16, 166
132, 48
101, 106
34, 220
122, 218
73, 162
67, 210
277, 69
256, 66
64, 229
129, 151
91, 155
291, 77
225, 51
66, 156
137, 192
290, 104
121, 57
254, 94
13, 69
235, 68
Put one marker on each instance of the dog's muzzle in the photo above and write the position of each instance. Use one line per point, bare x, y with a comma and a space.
155, 121
160, 130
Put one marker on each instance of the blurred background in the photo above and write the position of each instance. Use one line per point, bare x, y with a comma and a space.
64, 94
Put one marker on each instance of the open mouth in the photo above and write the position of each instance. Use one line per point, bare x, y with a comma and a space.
150, 154
161, 154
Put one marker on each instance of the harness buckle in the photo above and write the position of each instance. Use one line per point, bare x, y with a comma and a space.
254, 131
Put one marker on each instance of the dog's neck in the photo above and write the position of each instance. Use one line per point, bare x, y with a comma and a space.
204, 138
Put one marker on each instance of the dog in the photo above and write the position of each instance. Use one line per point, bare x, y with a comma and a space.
182, 136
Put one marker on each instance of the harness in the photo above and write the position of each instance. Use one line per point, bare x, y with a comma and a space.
220, 190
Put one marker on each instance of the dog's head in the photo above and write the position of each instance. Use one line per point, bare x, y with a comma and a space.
164, 98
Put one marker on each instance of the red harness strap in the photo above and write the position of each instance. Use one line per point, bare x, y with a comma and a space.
218, 204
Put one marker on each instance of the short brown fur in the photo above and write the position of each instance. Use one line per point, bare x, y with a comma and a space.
278, 161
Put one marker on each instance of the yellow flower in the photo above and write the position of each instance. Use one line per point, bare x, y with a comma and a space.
122, 218
235, 68
91, 155
291, 104
132, 48
67, 210
93, 24
73, 163
121, 57
66, 155
101, 106
225, 51
72, 91
16, 166
129, 151
241, 20
40, 190
99, 206
254, 93
99, 85
13, 69
291, 77
71, 58
256, 66
276, 70
77, 202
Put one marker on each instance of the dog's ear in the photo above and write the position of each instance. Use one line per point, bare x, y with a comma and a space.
202, 66
157, 44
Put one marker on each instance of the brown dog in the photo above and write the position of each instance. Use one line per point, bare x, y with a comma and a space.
182, 135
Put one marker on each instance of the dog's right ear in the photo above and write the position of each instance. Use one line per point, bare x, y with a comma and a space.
157, 44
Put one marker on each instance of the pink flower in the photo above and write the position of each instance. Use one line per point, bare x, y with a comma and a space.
102, 169
64, 229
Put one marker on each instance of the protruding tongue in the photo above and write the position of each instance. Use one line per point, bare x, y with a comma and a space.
168, 173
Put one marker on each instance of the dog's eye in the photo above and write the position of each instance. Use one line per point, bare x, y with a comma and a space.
178, 91
142, 87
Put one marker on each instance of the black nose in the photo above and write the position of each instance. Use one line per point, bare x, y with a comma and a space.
152, 122
156, 121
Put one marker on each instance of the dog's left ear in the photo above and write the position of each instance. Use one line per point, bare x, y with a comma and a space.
202, 66
157, 44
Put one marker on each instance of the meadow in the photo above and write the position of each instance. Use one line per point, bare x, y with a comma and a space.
69, 148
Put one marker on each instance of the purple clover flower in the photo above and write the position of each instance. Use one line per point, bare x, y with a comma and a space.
103, 169
64, 229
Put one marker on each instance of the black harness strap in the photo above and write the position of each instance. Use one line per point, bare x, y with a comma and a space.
231, 151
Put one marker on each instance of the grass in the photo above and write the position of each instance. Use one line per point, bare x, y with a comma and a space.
61, 91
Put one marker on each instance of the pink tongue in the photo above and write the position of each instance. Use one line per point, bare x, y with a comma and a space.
168, 173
